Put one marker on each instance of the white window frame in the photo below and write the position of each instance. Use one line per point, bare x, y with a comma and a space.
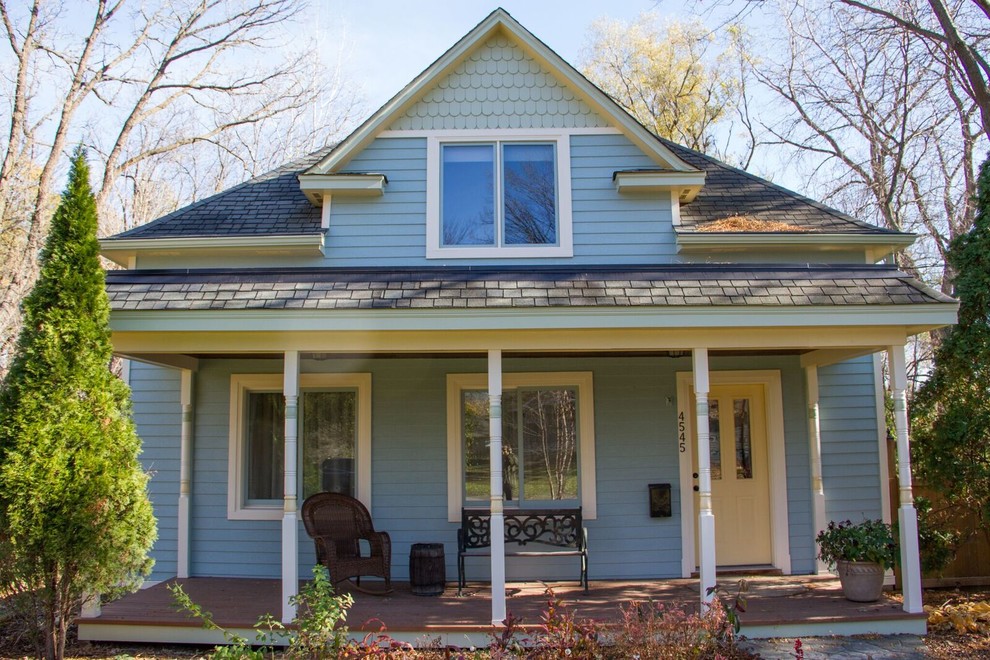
565, 231
240, 386
582, 381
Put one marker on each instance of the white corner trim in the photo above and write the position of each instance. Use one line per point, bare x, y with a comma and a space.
776, 457
565, 230
325, 212
240, 384
582, 380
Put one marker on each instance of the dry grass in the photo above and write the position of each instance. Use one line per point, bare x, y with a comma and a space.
748, 223
957, 641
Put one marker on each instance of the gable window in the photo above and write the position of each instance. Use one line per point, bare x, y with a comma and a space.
498, 194
547, 441
334, 440
498, 197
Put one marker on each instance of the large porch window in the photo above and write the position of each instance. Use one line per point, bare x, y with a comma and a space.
548, 444
539, 446
334, 424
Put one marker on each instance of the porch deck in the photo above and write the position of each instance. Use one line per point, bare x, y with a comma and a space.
779, 606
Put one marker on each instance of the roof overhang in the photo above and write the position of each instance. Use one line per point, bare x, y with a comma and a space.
496, 22
687, 185
877, 246
318, 186
907, 319
124, 251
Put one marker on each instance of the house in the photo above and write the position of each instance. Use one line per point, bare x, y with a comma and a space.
502, 243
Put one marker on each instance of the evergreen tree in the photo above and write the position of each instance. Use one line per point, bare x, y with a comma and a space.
951, 411
74, 513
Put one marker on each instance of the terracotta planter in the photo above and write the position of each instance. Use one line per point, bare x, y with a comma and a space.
862, 581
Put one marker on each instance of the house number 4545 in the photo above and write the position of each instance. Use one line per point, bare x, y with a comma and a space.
681, 443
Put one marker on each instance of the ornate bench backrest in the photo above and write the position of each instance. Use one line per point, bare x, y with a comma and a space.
558, 527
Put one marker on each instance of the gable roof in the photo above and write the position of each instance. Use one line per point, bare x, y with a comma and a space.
498, 21
273, 204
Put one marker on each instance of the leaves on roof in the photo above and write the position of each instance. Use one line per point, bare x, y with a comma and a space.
748, 223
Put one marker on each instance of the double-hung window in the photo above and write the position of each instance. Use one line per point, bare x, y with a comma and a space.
547, 441
499, 197
333, 442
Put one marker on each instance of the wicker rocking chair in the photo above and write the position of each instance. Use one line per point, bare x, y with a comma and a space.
337, 523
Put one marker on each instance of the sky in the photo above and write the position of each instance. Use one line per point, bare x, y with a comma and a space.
387, 43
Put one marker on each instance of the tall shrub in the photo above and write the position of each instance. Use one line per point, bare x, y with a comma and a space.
74, 513
951, 412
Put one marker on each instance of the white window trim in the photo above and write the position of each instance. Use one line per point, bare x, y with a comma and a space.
565, 244
582, 380
240, 385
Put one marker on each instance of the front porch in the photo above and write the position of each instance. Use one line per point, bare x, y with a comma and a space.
778, 606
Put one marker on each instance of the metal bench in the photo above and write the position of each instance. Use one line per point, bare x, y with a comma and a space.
560, 529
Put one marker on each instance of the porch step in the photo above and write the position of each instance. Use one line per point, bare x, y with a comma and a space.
744, 571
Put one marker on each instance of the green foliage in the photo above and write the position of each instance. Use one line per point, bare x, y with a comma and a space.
74, 512
937, 537
951, 411
320, 614
870, 540
318, 634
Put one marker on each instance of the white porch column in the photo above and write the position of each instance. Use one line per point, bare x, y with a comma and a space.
907, 515
495, 459
706, 518
185, 471
290, 534
815, 442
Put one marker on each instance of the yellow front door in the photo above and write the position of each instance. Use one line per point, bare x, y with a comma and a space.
740, 480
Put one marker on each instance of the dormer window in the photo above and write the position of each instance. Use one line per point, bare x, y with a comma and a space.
498, 197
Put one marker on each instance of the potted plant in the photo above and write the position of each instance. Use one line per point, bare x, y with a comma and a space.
860, 554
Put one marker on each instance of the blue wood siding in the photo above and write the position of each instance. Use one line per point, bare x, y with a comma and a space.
635, 446
608, 228
850, 445
157, 414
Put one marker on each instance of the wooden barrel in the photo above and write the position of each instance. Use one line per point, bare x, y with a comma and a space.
427, 569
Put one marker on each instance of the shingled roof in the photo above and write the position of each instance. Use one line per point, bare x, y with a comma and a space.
268, 204
272, 204
729, 191
669, 286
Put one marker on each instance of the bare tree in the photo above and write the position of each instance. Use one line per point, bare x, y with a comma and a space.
179, 98
883, 118
959, 30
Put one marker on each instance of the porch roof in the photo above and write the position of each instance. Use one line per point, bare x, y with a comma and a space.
447, 288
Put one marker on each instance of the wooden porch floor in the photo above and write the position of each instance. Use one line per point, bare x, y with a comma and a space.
778, 606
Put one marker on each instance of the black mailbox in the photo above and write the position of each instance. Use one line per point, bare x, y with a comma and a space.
660, 501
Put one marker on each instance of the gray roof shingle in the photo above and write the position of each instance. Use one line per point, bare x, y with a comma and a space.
272, 204
668, 286
268, 204
730, 191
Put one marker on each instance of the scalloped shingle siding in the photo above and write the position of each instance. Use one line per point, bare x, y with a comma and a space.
499, 86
